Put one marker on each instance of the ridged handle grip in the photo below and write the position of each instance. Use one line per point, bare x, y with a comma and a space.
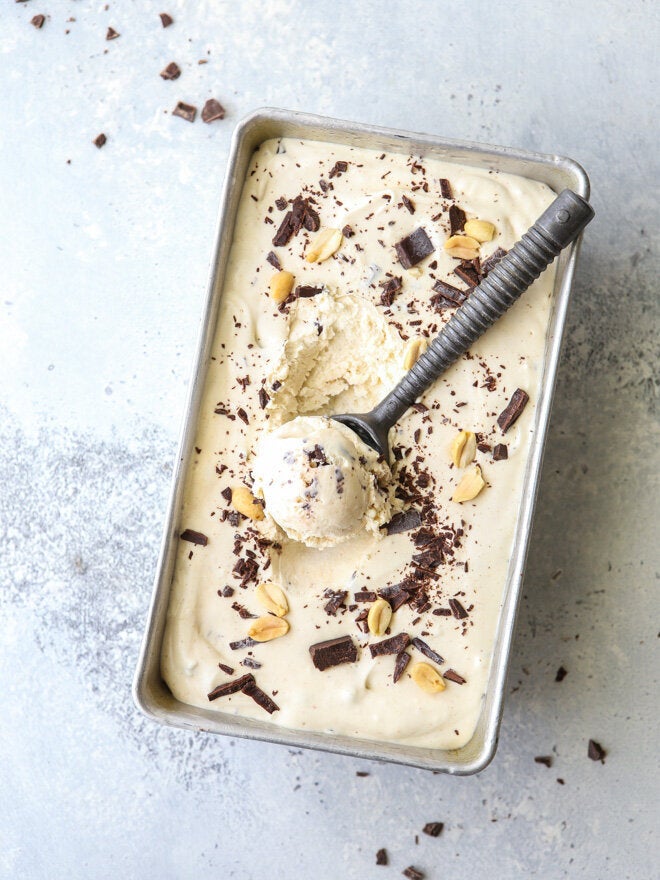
557, 227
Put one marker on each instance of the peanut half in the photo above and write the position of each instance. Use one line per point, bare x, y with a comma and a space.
463, 448
462, 247
482, 230
379, 617
272, 598
470, 485
414, 350
281, 285
265, 629
427, 678
326, 243
244, 502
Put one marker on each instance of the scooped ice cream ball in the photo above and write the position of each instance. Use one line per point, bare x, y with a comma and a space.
320, 483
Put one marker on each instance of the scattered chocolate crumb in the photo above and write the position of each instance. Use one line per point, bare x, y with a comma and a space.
457, 609
393, 645
413, 873
111, 34
425, 649
500, 452
212, 111
185, 111
402, 660
338, 169
407, 204
445, 188
242, 611
332, 652
194, 537
451, 675
38, 21
348, 231
513, 409
561, 674
231, 687
596, 752
381, 857
433, 829
166, 19
414, 248
546, 760
99, 140
172, 71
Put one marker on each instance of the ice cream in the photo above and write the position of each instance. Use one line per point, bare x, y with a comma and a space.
321, 484
344, 262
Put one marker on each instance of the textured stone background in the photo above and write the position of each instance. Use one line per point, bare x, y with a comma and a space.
103, 268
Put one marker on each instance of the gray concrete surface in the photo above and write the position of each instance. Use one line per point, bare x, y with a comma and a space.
103, 263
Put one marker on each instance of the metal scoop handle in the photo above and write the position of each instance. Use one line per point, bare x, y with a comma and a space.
557, 227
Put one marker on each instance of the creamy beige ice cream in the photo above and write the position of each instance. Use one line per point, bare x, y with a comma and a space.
321, 314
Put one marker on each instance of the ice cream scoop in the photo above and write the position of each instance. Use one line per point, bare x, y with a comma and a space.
320, 483
557, 227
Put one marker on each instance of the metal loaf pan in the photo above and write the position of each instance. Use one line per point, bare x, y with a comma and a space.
151, 694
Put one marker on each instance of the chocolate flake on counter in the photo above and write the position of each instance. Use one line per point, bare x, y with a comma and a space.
500, 452
361, 773
99, 140
404, 522
402, 660
338, 169
172, 71
38, 21
413, 873
332, 652
381, 857
348, 231
457, 219
407, 204
243, 416
451, 675
561, 674
448, 292
335, 601
228, 669
185, 111
166, 19
111, 34
231, 687
445, 188
390, 288
263, 398
546, 760
489, 264
433, 829
250, 689
513, 410
274, 261
212, 111
393, 645
457, 609
427, 651
596, 752
250, 662
365, 596
414, 248
194, 537
467, 272
247, 642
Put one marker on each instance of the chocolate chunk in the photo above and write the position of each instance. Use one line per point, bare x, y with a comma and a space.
413, 873
305, 291
99, 140
561, 674
111, 34
231, 687
546, 760
450, 675
274, 261
365, 596
166, 19
399, 599
390, 289
301, 214
447, 291
338, 169
172, 71
403, 522
212, 111
259, 697
243, 416
250, 662
596, 752
445, 188
247, 642
457, 219
489, 264
348, 231
457, 609
228, 669
402, 660
513, 409
335, 601
442, 612
381, 857
466, 272
226, 494
332, 652
281, 203
407, 204
263, 398
227, 592
361, 773
38, 21
393, 645
427, 651
185, 111
500, 452
194, 537
242, 611
433, 829
413, 248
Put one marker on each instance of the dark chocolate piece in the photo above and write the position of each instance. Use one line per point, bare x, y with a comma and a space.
433, 829
263, 398
390, 288
414, 248
452, 294
466, 272
365, 596
407, 204
226, 494
172, 71
427, 651
243, 416
513, 409
413, 873
442, 612
361, 773
247, 642
251, 663
185, 111
281, 203
393, 645
399, 599
305, 291
301, 214
332, 652
402, 660
338, 169
445, 188
381, 857
457, 219
596, 752
166, 19
490, 262
546, 760
274, 261
231, 687
99, 140
457, 609
111, 34
212, 111
227, 592
404, 522
38, 21
348, 231
194, 537
451, 675
561, 674
259, 697
500, 452
228, 669
335, 601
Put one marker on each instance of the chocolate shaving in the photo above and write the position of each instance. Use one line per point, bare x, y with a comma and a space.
212, 111
546, 760
413, 873
231, 687
561, 674
243, 416
348, 231
457, 609
500, 452
390, 289
596, 752
99, 140
38, 21
413, 248
194, 537
381, 857
407, 204
402, 660
433, 829
172, 71
448, 292
281, 203
247, 642
227, 592
399, 599
242, 611
228, 669
338, 169
111, 34
393, 645
259, 697
166, 19
513, 410
335, 601
185, 111
457, 219
451, 675
445, 188
274, 261
332, 652
466, 272
305, 291
427, 651
489, 264
365, 596
404, 522
263, 398
250, 662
